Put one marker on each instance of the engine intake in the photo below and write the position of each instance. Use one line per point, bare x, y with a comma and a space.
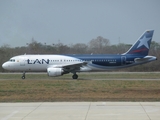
53, 72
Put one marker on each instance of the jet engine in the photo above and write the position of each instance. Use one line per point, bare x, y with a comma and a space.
53, 72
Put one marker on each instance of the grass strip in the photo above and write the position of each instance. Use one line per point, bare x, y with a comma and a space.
78, 90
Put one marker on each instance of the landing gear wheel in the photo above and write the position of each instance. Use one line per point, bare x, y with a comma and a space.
23, 76
75, 76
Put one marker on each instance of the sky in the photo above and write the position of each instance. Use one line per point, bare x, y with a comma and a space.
77, 21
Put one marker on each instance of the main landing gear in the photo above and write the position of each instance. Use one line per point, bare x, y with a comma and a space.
75, 76
23, 76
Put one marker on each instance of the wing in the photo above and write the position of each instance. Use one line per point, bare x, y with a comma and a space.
70, 67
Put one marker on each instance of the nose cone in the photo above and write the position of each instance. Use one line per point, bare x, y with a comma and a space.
5, 66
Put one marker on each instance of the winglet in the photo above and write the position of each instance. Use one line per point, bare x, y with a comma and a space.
142, 45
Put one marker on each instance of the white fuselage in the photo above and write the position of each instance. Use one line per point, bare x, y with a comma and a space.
40, 63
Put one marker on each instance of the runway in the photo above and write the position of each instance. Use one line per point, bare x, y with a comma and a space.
80, 111
127, 76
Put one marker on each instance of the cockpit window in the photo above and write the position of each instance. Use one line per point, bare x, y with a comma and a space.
12, 60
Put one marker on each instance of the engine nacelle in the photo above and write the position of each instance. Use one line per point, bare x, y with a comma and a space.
53, 72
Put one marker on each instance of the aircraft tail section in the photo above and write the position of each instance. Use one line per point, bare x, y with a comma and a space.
142, 45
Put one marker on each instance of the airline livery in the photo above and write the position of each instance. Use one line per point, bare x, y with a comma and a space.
57, 65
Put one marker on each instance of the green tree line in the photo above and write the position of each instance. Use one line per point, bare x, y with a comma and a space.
98, 45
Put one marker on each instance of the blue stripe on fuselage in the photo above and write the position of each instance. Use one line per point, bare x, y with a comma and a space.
107, 60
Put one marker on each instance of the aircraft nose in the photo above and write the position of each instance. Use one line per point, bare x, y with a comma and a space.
5, 66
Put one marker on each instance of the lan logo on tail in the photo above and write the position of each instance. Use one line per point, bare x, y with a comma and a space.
142, 45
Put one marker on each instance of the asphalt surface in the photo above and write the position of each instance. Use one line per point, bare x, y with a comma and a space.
80, 111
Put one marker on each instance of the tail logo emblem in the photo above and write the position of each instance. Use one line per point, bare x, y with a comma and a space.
144, 41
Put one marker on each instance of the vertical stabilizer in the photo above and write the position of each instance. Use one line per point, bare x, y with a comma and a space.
142, 45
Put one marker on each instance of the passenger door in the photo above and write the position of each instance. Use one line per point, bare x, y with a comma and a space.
22, 62
123, 60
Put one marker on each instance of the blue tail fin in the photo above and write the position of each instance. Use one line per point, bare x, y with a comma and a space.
142, 45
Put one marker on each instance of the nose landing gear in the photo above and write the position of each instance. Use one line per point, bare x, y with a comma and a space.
23, 76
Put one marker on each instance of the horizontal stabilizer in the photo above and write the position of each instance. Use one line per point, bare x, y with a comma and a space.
145, 59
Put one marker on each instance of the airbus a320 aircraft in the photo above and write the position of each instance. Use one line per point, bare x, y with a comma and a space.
57, 65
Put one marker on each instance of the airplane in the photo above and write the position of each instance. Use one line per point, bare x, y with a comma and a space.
57, 65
